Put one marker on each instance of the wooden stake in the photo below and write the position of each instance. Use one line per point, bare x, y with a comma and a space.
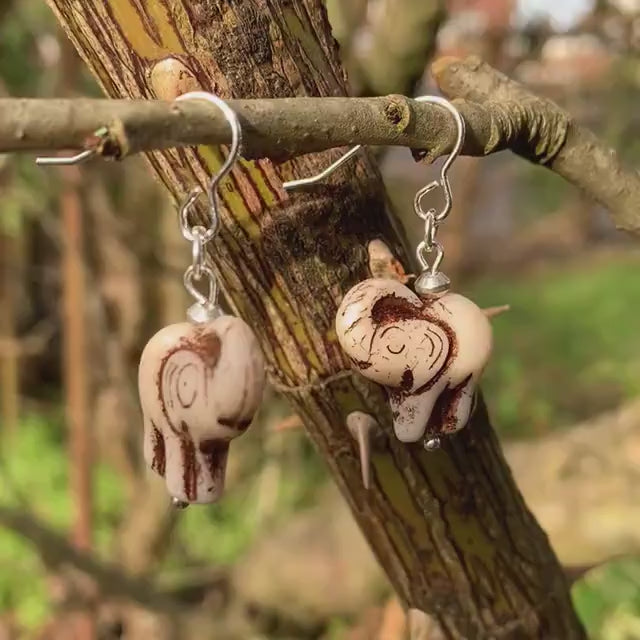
76, 375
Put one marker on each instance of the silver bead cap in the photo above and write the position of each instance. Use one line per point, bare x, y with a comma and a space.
432, 284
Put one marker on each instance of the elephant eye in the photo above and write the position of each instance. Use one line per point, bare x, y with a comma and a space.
395, 352
186, 385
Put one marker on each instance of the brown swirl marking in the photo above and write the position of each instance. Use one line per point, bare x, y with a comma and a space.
203, 343
215, 453
172, 369
207, 345
158, 464
391, 309
191, 468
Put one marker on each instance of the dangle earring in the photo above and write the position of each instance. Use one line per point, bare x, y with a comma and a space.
427, 347
200, 381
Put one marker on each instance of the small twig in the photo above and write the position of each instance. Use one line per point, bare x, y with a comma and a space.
546, 134
491, 312
290, 422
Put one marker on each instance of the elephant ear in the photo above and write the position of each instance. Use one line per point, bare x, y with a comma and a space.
473, 335
187, 371
156, 371
240, 374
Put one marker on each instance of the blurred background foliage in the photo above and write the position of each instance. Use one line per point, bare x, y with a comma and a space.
567, 352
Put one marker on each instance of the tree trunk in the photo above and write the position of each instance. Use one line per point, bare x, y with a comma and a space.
449, 528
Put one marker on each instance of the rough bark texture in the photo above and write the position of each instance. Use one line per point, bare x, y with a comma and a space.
582, 159
449, 528
499, 114
278, 129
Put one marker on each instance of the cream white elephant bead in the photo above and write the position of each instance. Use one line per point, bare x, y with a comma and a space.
200, 386
428, 353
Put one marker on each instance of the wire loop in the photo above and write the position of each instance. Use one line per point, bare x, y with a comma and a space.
198, 234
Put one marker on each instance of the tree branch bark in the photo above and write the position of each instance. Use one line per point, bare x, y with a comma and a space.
279, 128
56, 552
499, 114
581, 159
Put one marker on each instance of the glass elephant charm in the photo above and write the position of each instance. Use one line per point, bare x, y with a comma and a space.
200, 386
428, 352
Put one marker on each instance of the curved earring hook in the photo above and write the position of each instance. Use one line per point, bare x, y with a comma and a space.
79, 158
444, 180
234, 151
325, 173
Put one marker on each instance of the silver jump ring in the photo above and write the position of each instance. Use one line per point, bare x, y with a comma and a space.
422, 251
430, 229
197, 250
210, 300
417, 202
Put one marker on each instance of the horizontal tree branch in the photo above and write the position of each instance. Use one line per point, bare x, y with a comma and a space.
499, 114
583, 159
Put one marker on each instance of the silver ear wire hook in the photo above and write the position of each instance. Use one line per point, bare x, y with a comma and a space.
234, 151
79, 158
444, 180
206, 306
431, 282
325, 173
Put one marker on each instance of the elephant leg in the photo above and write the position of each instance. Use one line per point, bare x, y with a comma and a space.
454, 406
181, 466
213, 456
195, 471
412, 413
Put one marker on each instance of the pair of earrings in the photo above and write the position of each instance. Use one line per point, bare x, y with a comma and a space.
201, 381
